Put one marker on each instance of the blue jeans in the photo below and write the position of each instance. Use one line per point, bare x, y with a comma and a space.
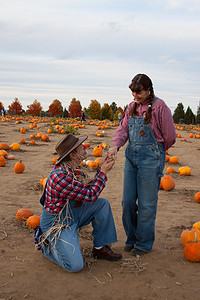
142, 174
65, 250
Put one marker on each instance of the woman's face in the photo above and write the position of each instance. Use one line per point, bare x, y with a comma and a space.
141, 97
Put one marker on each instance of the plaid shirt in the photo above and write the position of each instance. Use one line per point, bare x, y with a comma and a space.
64, 185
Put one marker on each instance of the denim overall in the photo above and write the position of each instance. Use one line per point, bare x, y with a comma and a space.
144, 164
65, 250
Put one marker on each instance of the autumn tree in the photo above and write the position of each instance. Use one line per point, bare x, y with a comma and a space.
1, 106
113, 107
94, 109
75, 108
15, 108
34, 109
106, 112
55, 108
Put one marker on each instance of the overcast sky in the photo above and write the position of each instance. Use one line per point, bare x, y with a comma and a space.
89, 49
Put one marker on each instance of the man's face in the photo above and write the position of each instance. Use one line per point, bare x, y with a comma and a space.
81, 152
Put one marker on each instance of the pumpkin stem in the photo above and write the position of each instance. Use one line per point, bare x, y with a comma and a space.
195, 237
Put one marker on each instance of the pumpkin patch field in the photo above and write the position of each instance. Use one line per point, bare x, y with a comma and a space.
170, 271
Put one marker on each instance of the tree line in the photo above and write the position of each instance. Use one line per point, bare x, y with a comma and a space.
94, 111
75, 110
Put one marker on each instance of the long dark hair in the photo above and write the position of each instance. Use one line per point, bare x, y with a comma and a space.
139, 83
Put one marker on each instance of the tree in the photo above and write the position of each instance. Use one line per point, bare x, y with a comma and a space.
189, 117
15, 108
1, 106
113, 107
179, 113
107, 112
198, 115
55, 109
75, 108
34, 109
94, 109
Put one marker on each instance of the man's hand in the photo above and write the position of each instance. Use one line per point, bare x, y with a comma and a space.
108, 163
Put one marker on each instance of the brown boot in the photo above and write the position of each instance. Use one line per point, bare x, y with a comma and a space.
106, 253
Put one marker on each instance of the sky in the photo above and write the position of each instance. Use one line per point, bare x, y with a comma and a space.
89, 49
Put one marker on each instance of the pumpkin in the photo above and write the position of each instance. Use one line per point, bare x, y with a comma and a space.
15, 146
22, 141
19, 167
49, 130
184, 171
32, 142
92, 165
197, 197
43, 181
97, 151
23, 130
170, 170
103, 145
10, 157
167, 183
191, 135
33, 221
4, 146
45, 137
173, 159
98, 161
2, 161
87, 145
196, 225
32, 136
192, 250
167, 157
3, 153
23, 214
54, 159
188, 235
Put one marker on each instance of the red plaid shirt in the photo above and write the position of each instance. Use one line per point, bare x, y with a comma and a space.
63, 185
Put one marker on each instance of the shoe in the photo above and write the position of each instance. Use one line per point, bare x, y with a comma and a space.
136, 251
128, 247
106, 253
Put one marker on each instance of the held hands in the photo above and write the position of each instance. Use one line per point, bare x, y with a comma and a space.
109, 160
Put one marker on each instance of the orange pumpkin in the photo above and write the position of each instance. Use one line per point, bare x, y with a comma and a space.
45, 137
19, 167
197, 197
184, 171
103, 145
32, 142
167, 183
92, 164
196, 225
192, 250
3, 153
39, 135
54, 159
97, 151
173, 159
49, 130
4, 146
170, 170
23, 130
32, 136
98, 161
15, 147
167, 157
33, 221
2, 161
191, 135
23, 214
188, 235
22, 141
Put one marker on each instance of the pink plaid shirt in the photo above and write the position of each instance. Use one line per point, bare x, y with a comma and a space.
62, 186
161, 123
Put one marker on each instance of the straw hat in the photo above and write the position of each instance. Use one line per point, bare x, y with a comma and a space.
67, 145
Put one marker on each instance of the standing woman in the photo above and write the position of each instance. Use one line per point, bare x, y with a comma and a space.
148, 125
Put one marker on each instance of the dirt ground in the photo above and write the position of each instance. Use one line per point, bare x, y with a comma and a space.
162, 274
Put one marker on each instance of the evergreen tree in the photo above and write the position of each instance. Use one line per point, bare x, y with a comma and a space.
113, 106
179, 114
198, 115
189, 117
